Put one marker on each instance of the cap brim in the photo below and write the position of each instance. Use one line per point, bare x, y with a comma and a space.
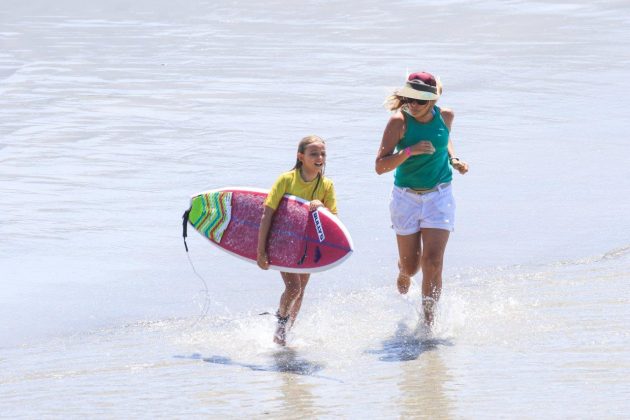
408, 92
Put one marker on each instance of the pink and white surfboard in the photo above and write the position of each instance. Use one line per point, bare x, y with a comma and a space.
299, 241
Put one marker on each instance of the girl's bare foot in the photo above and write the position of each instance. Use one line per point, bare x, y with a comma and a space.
280, 336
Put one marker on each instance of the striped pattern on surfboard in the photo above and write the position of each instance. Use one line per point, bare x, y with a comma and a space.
212, 214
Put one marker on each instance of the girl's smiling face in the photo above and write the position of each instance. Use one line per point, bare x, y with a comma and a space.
313, 159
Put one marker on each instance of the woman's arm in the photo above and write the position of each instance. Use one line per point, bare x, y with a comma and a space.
263, 232
462, 167
386, 159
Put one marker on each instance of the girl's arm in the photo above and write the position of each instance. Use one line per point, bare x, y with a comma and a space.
314, 205
329, 200
263, 232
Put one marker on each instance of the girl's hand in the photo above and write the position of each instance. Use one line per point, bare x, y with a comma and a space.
423, 147
262, 260
313, 205
460, 166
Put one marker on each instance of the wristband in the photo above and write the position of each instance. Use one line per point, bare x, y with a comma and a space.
408, 151
450, 160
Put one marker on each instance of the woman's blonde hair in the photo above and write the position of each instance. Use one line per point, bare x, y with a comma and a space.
394, 101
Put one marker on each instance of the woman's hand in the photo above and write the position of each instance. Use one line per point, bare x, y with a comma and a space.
459, 165
262, 260
423, 147
313, 205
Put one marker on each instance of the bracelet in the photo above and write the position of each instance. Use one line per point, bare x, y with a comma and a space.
450, 160
408, 151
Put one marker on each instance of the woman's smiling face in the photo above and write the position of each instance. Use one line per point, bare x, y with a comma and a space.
419, 108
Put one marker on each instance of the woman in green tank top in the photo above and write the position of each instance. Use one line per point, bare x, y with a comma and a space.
417, 145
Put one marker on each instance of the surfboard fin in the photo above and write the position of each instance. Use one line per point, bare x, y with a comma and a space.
303, 255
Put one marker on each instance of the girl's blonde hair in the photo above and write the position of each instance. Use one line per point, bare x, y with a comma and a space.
304, 143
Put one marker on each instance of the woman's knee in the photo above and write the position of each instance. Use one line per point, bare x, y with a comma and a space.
409, 266
433, 262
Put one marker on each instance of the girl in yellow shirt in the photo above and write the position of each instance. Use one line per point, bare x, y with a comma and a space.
306, 180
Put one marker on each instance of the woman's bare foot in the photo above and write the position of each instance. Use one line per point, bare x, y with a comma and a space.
403, 283
428, 307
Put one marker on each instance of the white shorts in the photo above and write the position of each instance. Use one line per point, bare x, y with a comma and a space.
411, 212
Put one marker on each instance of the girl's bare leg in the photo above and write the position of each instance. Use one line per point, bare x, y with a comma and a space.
297, 304
290, 303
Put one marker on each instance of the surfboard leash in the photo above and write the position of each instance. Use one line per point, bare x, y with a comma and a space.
206, 304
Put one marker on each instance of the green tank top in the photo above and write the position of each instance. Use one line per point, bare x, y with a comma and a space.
424, 171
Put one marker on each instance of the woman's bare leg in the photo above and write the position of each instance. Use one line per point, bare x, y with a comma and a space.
432, 261
409, 253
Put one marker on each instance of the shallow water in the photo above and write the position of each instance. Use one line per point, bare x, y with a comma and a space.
113, 114
558, 352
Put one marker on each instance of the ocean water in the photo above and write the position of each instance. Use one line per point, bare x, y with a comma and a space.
112, 114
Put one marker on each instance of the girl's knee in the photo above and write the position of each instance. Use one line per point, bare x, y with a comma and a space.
293, 288
294, 284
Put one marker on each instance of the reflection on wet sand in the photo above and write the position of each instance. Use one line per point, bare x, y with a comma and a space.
285, 360
423, 377
296, 393
407, 344
422, 387
298, 399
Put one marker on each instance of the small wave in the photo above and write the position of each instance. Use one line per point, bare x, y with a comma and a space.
616, 253
612, 255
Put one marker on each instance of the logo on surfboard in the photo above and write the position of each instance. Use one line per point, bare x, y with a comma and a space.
318, 226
